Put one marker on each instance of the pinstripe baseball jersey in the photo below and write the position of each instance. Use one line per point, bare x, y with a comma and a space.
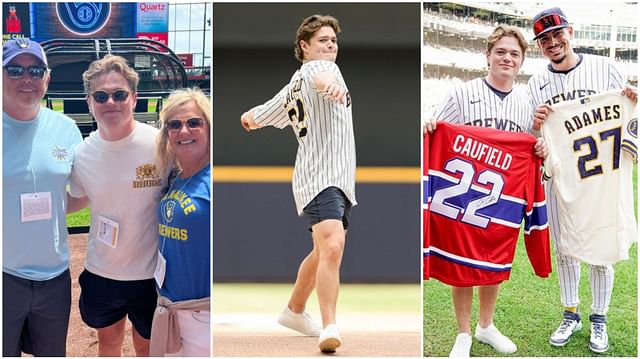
326, 146
592, 148
480, 184
591, 75
478, 104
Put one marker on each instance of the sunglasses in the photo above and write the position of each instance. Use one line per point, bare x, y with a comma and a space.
547, 22
176, 125
103, 96
35, 71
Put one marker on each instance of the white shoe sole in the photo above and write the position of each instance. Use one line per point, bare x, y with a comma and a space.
482, 340
329, 345
577, 329
599, 351
559, 344
286, 325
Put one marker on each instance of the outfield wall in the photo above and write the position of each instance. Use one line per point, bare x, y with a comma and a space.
259, 238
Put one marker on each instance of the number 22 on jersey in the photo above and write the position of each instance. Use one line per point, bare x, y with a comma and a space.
463, 186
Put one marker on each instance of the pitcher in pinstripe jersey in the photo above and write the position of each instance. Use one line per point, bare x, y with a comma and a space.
492, 102
317, 105
569, 76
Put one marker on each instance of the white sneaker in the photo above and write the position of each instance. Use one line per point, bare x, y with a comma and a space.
492, 336
462, 347
570, 324
329, 339
300, 322
599, 340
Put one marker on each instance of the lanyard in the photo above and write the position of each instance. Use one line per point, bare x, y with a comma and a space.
26, 159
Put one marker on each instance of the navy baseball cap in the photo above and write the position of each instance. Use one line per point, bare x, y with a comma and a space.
15, 47
549, 20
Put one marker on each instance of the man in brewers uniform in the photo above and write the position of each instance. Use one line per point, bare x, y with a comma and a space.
493, 102
569, 76
317, 105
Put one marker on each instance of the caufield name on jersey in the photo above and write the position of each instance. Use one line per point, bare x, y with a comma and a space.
600, 114
482, 152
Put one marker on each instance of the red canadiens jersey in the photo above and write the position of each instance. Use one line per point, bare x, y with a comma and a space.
478, 186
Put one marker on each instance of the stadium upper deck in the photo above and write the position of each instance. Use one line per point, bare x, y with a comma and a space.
455, 32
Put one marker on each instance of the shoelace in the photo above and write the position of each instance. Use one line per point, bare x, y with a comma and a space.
598, 330
566, 323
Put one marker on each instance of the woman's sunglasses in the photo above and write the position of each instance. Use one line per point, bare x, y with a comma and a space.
103, 96
176, 125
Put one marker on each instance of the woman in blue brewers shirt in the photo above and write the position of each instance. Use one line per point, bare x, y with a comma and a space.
182, 274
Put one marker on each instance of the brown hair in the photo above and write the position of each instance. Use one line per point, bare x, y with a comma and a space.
104, 66
176, 99
309, 27
506, 30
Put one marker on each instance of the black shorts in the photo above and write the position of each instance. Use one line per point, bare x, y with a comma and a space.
104, 301
35, 315
331, 203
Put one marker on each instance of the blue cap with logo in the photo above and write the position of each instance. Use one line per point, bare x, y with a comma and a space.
15, 47
549, 20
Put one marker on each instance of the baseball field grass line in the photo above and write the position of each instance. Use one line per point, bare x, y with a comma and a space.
264, 298
58, 105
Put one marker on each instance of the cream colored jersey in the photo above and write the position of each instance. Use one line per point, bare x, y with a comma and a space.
592, 148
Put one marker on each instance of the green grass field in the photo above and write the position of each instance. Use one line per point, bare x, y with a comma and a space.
57, 105
263, 298
79, 219
529, 310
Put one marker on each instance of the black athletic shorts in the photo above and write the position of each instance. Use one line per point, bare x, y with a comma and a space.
331, 203
105, 301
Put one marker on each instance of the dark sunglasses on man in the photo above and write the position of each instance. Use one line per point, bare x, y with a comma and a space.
17, 71
103, 96
176, 125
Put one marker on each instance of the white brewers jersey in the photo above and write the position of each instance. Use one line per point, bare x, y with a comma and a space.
476, 103
324, 129
592, 147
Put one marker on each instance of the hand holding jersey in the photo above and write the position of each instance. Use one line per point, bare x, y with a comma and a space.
593, 150
571, 76
631, 92
544, 110
490, 102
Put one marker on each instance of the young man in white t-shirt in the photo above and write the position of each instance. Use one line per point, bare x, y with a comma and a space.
115, 171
